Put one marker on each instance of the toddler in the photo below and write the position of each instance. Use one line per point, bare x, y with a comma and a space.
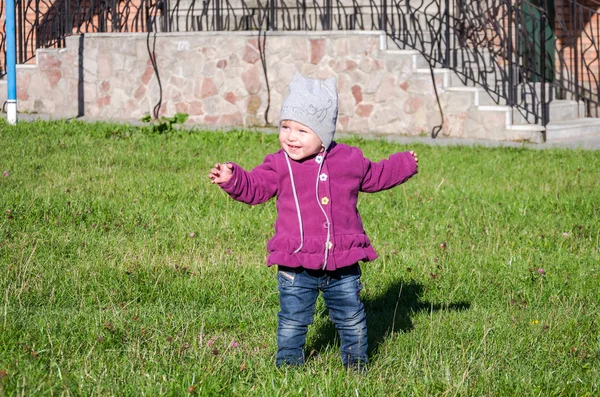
319, 237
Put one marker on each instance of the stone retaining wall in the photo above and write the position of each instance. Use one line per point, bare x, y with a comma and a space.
218, 79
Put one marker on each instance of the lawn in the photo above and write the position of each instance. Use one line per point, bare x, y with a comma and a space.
123, 271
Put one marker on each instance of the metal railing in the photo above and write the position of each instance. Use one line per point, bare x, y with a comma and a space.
47, 23
510, 48
578, 71
491, 44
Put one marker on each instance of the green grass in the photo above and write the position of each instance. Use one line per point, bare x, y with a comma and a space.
104, 291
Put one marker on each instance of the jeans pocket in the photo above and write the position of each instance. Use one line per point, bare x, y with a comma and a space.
285, 278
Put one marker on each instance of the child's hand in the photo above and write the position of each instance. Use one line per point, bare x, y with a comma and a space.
414, 157
221, 173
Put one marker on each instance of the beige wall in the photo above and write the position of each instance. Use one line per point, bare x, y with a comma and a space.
218, 79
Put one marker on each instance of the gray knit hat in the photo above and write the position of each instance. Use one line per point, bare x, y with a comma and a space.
314, 103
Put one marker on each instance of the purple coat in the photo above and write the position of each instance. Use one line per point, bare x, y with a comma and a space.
344, 173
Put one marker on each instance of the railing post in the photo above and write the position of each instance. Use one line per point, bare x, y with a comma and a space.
544, 23
166, 16
329, 14
36, 24
272, 25
217, 4
383, 20
149, 18
510, 56
114, 15
446, 62
575, 55
18, 22
65, 22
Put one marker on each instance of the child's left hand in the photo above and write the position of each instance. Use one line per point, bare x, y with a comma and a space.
414, 157
221, 173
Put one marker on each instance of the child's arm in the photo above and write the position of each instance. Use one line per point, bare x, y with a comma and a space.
389, 173
250, 187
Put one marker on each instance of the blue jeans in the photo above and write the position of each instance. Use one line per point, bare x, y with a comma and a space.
298, 292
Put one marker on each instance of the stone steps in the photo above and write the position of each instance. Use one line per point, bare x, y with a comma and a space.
565, 129
473, 112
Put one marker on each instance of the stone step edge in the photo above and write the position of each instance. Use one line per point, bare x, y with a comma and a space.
576, 123
413, 54
508, 111
477, 91
526, 127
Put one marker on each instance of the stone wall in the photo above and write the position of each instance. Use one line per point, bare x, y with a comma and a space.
218, 79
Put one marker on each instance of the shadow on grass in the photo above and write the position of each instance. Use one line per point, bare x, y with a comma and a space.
388, 313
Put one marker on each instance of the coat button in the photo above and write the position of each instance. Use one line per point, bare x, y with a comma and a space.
323, 177
329, 245
324, 201
319, 159
326, 225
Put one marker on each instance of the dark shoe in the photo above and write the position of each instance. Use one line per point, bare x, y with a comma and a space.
358, 366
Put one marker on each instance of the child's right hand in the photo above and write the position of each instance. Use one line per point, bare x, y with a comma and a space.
414, 157
221, 173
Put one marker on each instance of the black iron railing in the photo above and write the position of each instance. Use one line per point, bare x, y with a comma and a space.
522, 54
494, 45
578, 60
46, 23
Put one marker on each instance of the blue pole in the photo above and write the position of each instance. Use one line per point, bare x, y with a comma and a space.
11, 62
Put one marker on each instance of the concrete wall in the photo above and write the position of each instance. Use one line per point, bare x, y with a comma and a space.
218, 79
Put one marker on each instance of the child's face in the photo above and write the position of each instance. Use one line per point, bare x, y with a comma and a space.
298, 141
